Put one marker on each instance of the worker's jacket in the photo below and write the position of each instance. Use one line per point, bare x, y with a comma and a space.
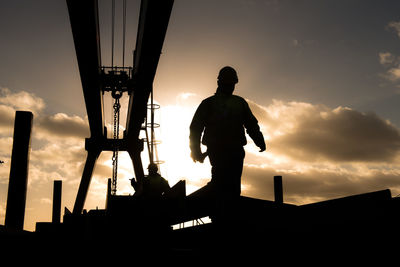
223, 118
154, 186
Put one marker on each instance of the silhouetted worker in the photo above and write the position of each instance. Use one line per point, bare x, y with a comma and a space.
151, 205
223, 118
154, 185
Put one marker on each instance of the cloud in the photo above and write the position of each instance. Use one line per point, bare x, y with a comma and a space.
395, 25
62, 125
11, 102
57, 141
307, 133
21, 100
342, 135
392, 65
6, 118
62, 152
386, 58
321, 152
317, 184
59, 125
390, 61
393, 74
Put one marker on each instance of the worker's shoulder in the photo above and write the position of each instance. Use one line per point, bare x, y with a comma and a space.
230, 97
207, 101
238, 98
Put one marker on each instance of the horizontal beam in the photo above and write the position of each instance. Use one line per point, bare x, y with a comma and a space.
106, 144
85, 30
153, 24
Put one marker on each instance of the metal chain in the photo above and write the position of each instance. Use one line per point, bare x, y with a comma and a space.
117, 107
116, 94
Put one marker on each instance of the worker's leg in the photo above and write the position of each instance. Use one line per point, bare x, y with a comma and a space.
227, 166
234, 172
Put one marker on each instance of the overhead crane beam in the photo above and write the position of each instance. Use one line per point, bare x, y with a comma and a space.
153, 23
85, 30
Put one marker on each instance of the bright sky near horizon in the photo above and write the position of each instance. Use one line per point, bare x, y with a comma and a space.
322, 77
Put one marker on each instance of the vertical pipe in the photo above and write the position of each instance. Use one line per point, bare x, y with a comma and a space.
57, 189
151, 126
278, 189
16, 198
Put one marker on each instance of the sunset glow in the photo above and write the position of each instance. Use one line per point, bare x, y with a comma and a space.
321, 77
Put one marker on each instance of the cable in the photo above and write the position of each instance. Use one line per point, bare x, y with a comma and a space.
112, 31
123, 32
116, 90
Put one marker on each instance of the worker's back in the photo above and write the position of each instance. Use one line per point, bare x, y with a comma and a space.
224, 120
154, 186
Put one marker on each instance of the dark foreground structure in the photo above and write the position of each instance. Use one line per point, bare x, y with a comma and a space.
355, 227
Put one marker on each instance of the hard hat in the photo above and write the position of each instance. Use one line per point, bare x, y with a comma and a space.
228, 75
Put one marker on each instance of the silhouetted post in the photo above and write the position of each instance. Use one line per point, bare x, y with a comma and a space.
16, 198
108, 192
278, 189
57, 189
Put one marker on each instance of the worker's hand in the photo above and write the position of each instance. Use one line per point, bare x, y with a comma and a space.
262, 148
134, 183
202, 157
194, 156
198, 156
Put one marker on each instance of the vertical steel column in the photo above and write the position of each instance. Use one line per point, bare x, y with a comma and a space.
91, 159
16, 198
57, 189
278, 189
137, 165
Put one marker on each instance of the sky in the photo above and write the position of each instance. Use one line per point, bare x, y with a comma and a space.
322, 77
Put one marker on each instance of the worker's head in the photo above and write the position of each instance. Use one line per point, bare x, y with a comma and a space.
227, 78
152, 168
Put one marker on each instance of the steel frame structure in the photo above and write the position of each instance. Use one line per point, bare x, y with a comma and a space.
153, 22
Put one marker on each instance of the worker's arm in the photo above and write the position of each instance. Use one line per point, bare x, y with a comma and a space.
165, 185
138, 187
252, 128
196, 129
